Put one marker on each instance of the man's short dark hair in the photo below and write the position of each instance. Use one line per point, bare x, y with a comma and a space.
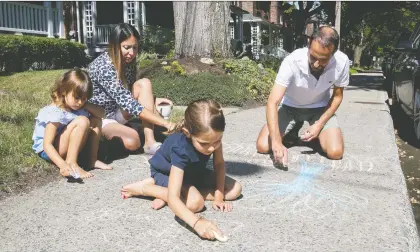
326, 36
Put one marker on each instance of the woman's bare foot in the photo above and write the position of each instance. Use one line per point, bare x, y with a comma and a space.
82, 173
101, 165
136, 188
158, 204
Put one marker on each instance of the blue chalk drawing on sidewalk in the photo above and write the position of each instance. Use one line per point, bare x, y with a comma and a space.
304, 193
303, 184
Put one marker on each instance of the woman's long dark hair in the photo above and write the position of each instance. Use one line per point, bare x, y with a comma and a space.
120, 33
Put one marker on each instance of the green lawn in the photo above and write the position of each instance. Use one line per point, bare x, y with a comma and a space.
21, 97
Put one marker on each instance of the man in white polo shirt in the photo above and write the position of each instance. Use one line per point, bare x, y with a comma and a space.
302, 89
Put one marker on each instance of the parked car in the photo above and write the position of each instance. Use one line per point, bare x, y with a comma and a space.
388, 65
406, 81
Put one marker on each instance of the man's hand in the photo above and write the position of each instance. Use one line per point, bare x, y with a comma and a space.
279, 153
312, 132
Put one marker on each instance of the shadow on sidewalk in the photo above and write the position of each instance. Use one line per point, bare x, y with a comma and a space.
366, 82
241, 168
113, 149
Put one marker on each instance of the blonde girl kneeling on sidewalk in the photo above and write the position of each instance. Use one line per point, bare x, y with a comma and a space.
178, 173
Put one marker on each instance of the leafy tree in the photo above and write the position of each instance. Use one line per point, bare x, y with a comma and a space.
296, 18
372, 27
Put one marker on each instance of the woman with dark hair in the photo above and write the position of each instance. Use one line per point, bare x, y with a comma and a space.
115, 88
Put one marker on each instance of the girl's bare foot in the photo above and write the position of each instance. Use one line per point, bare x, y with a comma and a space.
158, 204
82, 173
101, 165
136, 189
65, 172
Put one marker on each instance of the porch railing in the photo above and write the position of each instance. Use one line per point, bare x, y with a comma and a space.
56, 22
26, 18
153, 36
102, 33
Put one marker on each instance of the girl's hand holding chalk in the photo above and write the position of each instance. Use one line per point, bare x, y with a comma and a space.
221, 238
208, 230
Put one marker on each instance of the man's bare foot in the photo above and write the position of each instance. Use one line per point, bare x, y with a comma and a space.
101, 165
158, 204
136, 188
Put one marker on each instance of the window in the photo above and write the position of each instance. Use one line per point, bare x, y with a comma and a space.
109, 12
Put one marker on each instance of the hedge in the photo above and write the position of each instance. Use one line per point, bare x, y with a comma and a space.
226, 89
259, 82
21, 53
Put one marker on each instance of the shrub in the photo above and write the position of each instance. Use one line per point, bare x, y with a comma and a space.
144, 60
226, 89
20, 53
175, 68
258, 81
272, 63
145, 63
145, 55
171, 54
156, 39
353, 70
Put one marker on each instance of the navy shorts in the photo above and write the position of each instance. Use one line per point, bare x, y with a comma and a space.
44, 156
199, 177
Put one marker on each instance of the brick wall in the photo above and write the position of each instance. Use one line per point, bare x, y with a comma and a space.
274, 12
249, 6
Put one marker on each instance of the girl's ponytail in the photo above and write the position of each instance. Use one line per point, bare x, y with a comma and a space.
178, 127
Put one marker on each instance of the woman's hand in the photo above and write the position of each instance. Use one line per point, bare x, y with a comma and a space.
205, 228
169, 126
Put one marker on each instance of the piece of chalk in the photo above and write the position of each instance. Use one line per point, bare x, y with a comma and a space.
220, 238
76, 175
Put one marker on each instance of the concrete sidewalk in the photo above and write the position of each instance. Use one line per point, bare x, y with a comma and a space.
357, 204
226, 111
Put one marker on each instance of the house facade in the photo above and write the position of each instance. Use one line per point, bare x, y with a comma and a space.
37, 18
95, 26
258, 24
93, 21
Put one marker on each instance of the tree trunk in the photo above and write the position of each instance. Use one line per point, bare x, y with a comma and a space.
202, 29
358, 50
337, 22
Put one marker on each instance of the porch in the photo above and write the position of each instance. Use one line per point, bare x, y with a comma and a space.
263, 37
41, 19
99, 18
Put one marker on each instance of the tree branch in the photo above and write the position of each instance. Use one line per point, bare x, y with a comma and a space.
309, 6
300, 3
315, 11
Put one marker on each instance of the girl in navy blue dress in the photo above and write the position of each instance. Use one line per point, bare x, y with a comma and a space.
178, 169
